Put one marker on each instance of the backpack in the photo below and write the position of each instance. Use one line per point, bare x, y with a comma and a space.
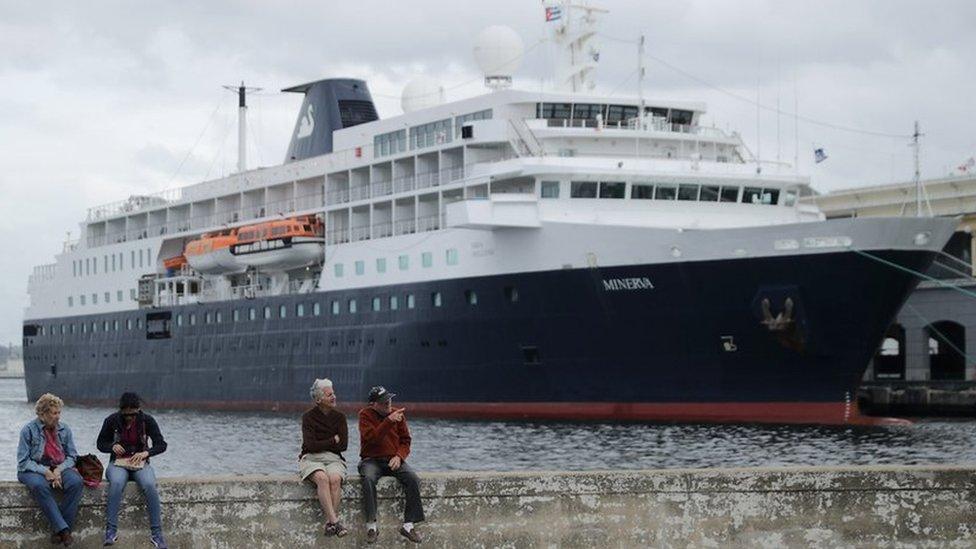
90, 468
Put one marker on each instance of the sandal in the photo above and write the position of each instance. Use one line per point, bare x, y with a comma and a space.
340, 530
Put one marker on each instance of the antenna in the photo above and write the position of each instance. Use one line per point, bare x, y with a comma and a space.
640, 75
241, 123
918, 178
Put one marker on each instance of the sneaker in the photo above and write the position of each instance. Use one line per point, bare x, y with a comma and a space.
411, 535
111, 536
340, 530
158, 541
372, 534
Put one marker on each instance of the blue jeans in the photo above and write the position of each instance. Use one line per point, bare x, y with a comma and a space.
146, 479
60, 516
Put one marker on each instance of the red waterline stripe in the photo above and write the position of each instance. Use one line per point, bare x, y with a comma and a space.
816, 413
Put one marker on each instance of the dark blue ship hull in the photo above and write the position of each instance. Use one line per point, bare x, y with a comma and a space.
696, 341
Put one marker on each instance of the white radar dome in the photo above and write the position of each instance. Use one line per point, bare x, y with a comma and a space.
421, 93
498, 51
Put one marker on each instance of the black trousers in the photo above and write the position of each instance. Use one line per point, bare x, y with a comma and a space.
370, 471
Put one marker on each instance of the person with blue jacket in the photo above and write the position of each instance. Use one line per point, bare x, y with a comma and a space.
46, 457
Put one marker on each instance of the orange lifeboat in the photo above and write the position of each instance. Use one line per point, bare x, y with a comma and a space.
281, 244
210, 254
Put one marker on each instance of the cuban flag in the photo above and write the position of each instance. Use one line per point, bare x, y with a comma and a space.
553, 13
819, 155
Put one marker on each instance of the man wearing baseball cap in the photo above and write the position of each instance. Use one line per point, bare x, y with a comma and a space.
384, 447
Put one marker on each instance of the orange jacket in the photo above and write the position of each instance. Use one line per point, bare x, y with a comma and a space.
381, 438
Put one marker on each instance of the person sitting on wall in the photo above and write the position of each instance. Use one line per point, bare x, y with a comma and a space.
325, 436
384, 447
125, 436
45, 462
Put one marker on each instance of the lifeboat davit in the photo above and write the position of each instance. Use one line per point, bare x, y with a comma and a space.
281, 245
211, 253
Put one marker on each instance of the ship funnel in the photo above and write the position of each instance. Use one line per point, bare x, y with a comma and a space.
331, 104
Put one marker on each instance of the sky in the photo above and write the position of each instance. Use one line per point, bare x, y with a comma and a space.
102, 100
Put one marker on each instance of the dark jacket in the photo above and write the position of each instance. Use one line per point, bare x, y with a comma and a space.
147, 429
319, 430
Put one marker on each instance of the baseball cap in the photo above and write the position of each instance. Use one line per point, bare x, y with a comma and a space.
380, 394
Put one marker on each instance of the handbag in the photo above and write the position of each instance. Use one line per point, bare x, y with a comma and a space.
128, 464
91, 469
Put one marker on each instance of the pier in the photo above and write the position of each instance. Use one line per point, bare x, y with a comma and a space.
757, 507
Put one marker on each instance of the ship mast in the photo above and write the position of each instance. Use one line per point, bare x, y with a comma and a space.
241, 123
573, 26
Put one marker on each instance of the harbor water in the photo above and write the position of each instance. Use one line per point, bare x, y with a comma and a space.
205, 443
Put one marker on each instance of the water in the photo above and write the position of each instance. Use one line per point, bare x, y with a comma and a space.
210, 443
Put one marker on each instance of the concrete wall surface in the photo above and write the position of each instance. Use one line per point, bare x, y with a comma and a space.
776, 507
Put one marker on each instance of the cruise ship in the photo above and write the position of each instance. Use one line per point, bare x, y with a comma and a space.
518, 254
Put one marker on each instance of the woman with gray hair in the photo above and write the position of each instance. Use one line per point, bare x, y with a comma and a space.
324, 438
45, 462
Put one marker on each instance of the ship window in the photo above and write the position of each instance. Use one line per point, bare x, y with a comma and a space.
282, 311
381, 264
338, 270
138, 323
730, 194
452, 256
335, 307
553, 110
435, 299
471, 297
94, 299
411, 302
317, 309
267, 312
550, 189
115, 325
376, 304
128, 324
108, 297
113, 263
132, 294
426, 259
64, 329
252, 314
789, 198
71, 328
219, 317
709, 193
82, 298
300, 310
586, 111
278, 231
193, 319
612, 189
71, 301
140, 258
236, 315
511, 293
642, 191
84, 327
770, 196
360, 267
404, 262
680, 117
583, 189
688, 192
207, 318
752, 195
394, 303
132, 259
352, 306
105, 263
179, 319
665, 192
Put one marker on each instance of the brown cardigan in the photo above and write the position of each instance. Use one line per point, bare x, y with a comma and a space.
381, 438
319, 430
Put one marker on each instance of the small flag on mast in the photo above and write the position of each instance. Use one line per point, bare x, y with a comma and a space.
553, 13
968, 165
819, 155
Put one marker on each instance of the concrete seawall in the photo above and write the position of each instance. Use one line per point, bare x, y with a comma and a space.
798, 507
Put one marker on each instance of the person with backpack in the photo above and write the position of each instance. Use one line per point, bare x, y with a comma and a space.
126, 437
45, 462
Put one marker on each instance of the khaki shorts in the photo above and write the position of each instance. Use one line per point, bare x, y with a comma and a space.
322, 461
